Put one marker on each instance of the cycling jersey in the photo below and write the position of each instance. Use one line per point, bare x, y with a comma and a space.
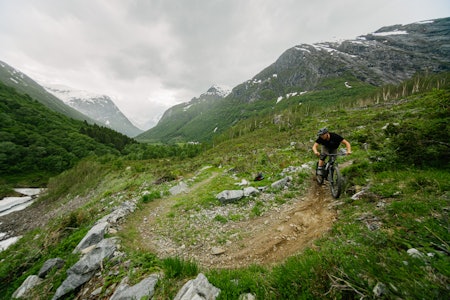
333, 143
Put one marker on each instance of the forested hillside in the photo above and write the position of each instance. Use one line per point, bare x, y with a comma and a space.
36, 142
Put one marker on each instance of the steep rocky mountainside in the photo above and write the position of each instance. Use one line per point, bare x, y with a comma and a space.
389, 55
99, 107
25, 85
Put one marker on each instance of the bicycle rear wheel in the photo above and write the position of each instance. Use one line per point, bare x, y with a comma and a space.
336, 182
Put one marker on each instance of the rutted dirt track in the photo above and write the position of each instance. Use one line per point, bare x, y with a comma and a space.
270, 238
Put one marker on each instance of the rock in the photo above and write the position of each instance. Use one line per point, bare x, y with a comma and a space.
242, 183
229, 196
50, 265
198, 289
413, 252
249, 191
217, 251
179, 188
86, 267
94, 235
27, 285
281, 183
145, 288
124, 209
380, 290
247, 296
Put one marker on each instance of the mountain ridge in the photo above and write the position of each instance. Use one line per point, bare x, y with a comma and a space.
16, 79
387, 56
98, 107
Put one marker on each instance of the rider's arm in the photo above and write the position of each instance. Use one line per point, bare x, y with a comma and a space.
347, 144
314, 149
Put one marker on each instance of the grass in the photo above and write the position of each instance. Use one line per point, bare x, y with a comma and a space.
406, 206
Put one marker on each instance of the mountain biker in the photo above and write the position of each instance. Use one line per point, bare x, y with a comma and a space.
330, 142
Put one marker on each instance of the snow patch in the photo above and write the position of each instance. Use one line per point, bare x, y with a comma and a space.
395, 32
425, 22
67, 94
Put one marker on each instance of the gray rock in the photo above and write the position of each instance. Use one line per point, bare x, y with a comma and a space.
27, 285
124, 209
281, 183
247, 296
413, 252
380, 290
229, 196
50, 265
198, 289
249, 191
94, 235
86, 267
144, 288
179, 188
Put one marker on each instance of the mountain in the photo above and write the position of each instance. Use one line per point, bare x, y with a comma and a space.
174, 124
25, 85
387, 56
98, 107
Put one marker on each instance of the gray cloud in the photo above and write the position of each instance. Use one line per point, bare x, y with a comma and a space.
151, 54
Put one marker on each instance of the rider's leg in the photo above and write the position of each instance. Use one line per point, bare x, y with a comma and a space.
323, 156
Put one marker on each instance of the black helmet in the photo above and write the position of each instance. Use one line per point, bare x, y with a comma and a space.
322, 131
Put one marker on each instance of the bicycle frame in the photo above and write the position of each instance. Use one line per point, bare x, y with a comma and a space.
333, 175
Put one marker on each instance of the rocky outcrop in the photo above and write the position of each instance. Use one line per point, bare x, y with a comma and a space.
84, 269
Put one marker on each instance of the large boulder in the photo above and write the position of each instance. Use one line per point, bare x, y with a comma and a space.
49, 265
145, 288
198, 289
94, 236
86, 267
27, 285
229, 196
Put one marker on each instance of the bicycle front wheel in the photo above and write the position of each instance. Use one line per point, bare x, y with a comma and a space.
336, 182
320, 179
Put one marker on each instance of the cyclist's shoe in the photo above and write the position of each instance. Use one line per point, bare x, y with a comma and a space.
319, 171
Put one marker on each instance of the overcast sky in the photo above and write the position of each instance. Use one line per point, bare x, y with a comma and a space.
149, 55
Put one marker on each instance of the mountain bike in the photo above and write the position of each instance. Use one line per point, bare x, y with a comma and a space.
332, 173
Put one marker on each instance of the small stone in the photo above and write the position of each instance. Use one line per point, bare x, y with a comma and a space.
217, 251
380, 289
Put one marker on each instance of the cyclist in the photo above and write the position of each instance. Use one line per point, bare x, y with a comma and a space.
330, 142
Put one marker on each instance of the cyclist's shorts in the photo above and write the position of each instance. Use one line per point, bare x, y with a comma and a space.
325, 151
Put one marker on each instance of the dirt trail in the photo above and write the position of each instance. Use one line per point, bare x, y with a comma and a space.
270, 238
280, 232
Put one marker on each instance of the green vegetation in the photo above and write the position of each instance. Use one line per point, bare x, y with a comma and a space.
37, 143
400, 139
